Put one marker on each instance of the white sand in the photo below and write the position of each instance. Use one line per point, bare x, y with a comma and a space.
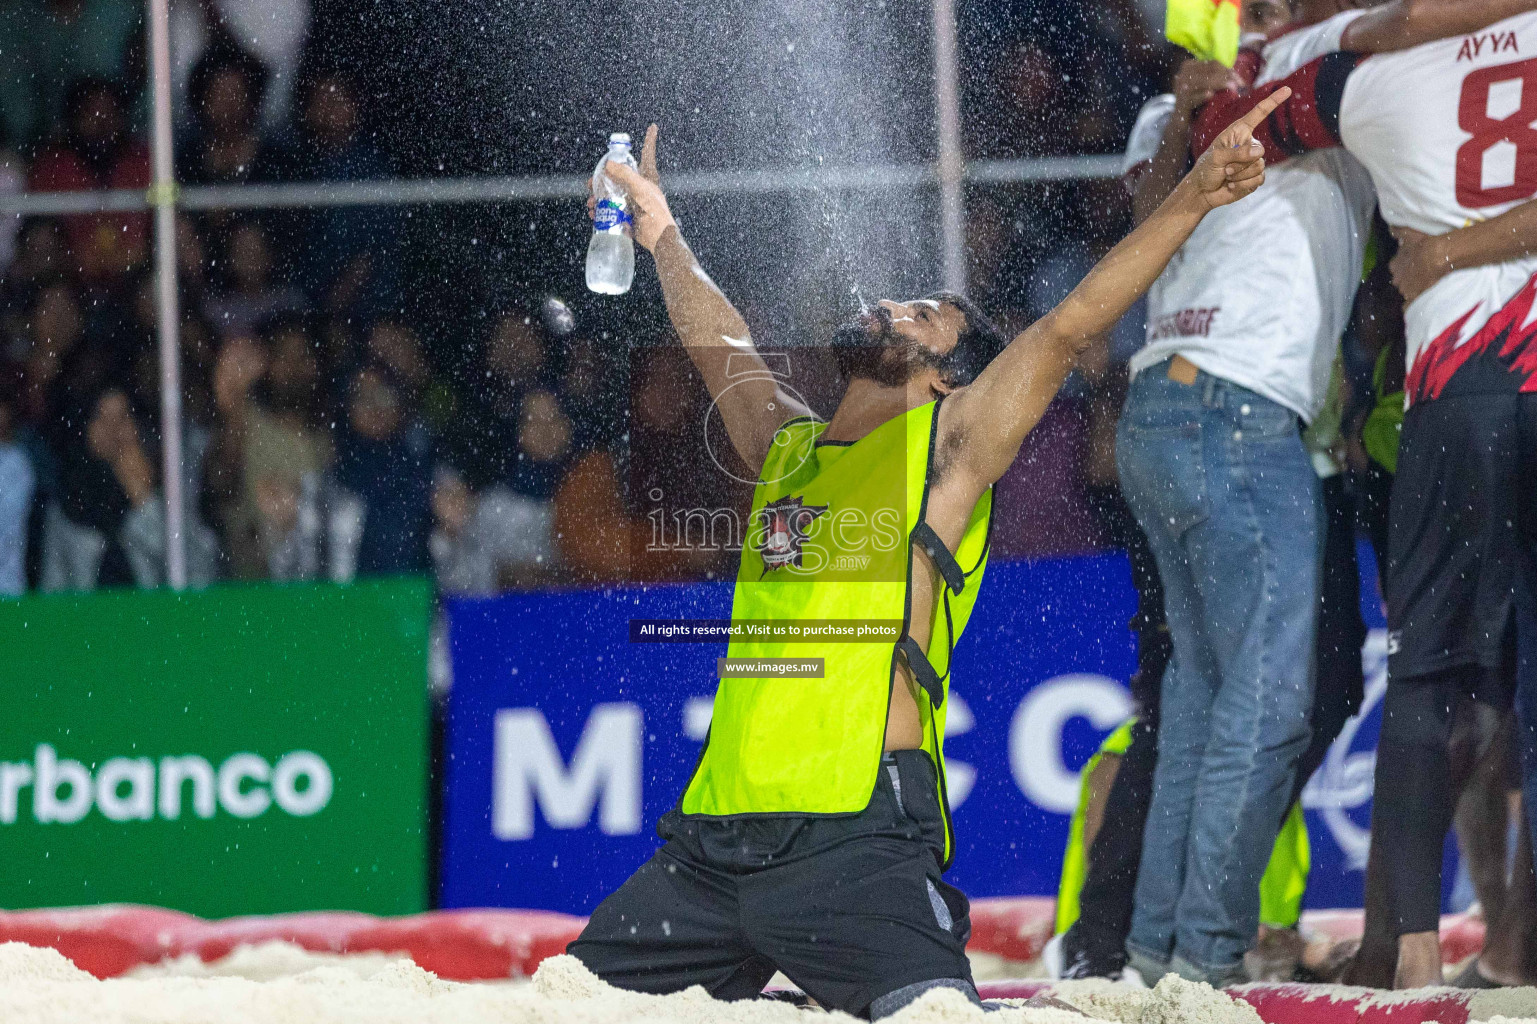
1509, 1003
947, 1006
258, 985
1103, 998
1177, 1001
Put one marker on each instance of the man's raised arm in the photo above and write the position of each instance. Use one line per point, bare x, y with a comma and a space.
991, 417
1400, 24
712, 331
1310, 119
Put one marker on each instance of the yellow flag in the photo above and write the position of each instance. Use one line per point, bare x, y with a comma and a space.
1207, 28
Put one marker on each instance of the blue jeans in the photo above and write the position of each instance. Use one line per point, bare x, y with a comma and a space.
1219, 480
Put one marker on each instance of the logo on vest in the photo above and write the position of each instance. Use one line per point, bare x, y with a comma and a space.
785, 523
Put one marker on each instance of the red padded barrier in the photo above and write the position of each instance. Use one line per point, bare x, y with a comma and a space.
1305, 1004
461, 945
321, 932
1309, 1004
468, 945
1461, 937
1016, 927
105, 940
465, 945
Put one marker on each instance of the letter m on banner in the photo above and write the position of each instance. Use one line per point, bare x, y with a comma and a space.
604, 770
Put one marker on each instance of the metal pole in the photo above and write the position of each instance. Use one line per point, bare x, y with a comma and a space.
544, 187
162, 196
952, 164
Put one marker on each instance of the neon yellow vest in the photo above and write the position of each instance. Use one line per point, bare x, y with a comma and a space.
1075, 859
831, 537
1285, 881
1385, 423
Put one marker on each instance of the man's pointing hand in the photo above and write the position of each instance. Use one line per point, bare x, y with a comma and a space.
1234, 165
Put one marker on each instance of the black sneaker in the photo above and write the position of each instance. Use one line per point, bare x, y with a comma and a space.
1066, 962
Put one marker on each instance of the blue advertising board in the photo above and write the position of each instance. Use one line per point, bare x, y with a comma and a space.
565, 741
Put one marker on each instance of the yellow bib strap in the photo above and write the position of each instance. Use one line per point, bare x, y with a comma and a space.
928, 541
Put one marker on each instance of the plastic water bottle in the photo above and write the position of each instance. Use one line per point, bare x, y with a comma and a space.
611, 253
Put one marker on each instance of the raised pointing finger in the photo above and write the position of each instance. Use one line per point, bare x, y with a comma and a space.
1254, 118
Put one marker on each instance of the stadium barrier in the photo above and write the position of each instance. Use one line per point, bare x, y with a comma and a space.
1315, 1004
459, 945
1318, 1004
105, 941
476, 945
486, 945
1015, 928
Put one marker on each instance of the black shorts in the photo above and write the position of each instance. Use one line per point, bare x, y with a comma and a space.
849, 908
1462, 533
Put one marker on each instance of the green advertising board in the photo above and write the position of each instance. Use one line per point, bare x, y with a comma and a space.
243, 750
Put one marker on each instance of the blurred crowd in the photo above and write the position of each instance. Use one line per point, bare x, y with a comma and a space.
324, 437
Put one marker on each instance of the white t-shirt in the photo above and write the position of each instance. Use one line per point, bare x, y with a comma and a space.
1445, 130
1147, 132
1261, 292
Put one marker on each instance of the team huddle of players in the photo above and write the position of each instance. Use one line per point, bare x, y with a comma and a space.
1224, 455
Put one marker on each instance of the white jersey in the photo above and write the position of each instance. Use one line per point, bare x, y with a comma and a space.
1261, 292
1147, 133
1446, 131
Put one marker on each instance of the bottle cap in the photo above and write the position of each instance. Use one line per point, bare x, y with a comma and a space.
619, 139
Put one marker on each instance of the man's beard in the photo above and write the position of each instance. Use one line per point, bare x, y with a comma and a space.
881, 355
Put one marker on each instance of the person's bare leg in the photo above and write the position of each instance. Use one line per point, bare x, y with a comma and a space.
1523, 902
1326, 959
1509, 956
1474, 727
1419, 961
1482, 823
1100, 781
1376, 961
1275, 955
